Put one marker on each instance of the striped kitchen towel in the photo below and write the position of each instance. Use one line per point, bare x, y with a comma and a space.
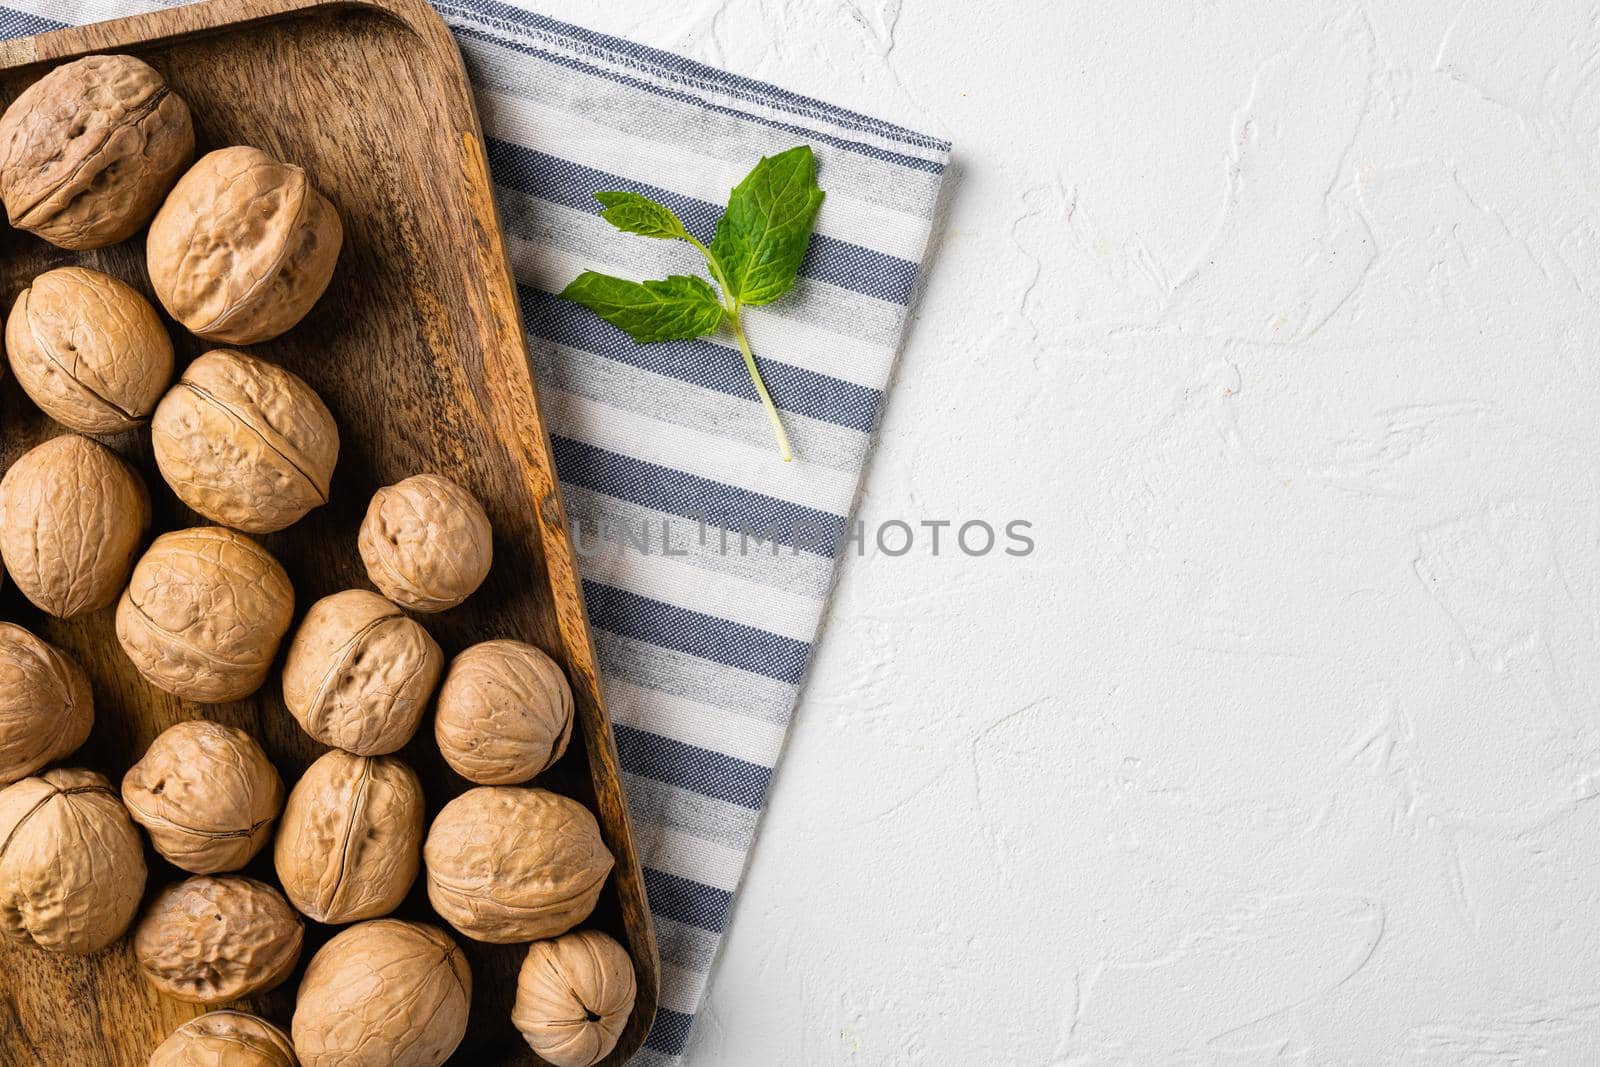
706, 559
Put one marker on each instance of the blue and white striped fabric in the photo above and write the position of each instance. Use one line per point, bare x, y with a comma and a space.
702, 649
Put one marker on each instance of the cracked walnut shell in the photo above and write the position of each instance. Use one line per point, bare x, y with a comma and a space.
72, 514
213, 939
383, 994
89, 350
206, 794
426, 543
88, 151
245, 443
203, 614
574, 996
225, 1039
243, 247
71, 863
505, 713
46, 707
507, 864
347, 846
359, 673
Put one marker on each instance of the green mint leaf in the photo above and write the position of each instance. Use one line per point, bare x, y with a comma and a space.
632, 213
766, 230
674, 309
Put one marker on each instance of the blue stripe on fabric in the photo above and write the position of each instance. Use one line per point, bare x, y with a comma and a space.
15, 23
682, 69
731, 644
561, 181
689, 496
687, 902
809, 133
699, 770
670, 1032
711, 366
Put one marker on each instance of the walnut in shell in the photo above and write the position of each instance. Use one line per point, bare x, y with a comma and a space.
243, 247
505, 713
46, 707
383, 994
225, 1039
89, 350
347, 846
574, 995
72, 514
88, 151
244, 442
206, 794
359, 673
426, 543
71, 863
507, 864
211, 939
203, 614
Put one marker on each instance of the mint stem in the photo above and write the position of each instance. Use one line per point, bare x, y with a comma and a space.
761, 386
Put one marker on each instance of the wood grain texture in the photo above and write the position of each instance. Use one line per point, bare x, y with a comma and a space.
418, 350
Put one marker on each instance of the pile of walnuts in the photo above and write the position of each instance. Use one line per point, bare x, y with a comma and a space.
239, 248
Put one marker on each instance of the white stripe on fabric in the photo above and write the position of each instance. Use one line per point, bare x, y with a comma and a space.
725, 730
662, 848
681, 990
790, 341
684, 448
676, 581
687, 172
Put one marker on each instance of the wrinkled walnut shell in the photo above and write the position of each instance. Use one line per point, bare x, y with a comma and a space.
89, 350
426, 543
245, 443
383, 994
203, 614
507, 864
88, 151
72, 514
574, 996
46, 707
243, 247
348, 842
505, 713
206, 794
359, 673
71, 863
225, 1039
208, 940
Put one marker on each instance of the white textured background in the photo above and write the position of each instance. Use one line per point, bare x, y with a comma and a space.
1281, 322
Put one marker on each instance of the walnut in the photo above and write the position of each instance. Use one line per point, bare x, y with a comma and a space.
348, 843
88, 151
212, 939
89, 350
360, 672
426, 543
505, 713
71, 863
72, 515
46, 707
245, 443
203, 614
507, 864
574, 996
206, 794
225, 1039
383, 994
243, 247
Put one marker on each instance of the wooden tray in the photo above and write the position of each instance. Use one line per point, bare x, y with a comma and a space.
418, 350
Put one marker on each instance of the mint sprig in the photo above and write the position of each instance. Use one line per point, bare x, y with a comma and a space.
754, 257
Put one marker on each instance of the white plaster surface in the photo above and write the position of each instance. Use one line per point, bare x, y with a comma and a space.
1281, 323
